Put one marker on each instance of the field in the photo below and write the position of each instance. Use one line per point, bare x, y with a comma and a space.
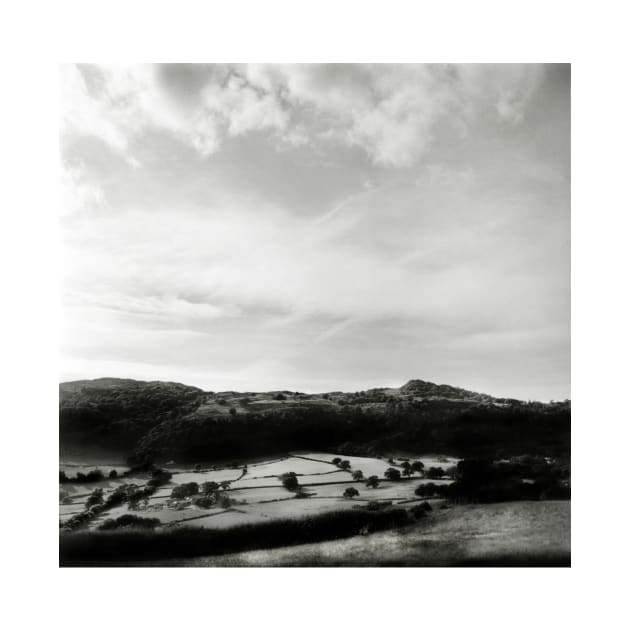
506, 534
256, 492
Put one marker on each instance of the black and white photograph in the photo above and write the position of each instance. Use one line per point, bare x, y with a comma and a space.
315, 315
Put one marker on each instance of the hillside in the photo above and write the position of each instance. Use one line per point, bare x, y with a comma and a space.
158, 419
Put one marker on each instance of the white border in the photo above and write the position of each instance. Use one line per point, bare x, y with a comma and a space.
42, 34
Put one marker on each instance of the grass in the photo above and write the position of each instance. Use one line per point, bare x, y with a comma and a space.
517, 534
122, 547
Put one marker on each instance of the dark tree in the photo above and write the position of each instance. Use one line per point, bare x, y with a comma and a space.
349, 493
417, 466
345, 465
207, 487
393, 474
336, 461
372, 482
357, 475
113, 474
289, 481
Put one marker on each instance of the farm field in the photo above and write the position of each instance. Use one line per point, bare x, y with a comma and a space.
519, 533
255, 491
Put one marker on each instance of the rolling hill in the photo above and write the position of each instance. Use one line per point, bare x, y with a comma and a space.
163, 419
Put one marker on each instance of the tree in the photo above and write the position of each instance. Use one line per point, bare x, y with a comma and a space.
407, 471
185, 490
350, 493
207, 487
336, 461
345, 465
232, 411
279, 397
406, 465
96, 498
418, 466
63, 478
426, 490
435, 472
289, 481
393, 474
113, 474
197, 467
372, 482
357, 475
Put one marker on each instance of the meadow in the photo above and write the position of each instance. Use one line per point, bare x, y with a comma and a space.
256, 491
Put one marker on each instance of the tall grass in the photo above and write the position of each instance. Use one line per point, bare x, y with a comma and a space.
117, 547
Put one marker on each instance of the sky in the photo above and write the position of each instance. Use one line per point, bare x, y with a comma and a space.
317, 227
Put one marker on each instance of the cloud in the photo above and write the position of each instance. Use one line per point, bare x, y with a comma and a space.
78, 193
390, 112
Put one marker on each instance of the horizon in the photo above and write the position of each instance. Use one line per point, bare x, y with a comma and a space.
316, 228
310, 393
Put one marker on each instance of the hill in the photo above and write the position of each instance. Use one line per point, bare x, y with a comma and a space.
159, 420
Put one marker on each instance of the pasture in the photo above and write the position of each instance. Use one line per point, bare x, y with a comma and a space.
256, 492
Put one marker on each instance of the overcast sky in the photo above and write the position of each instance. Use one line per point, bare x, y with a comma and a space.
317, 228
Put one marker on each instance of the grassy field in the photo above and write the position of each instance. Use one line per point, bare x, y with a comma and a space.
508, 534
257, 492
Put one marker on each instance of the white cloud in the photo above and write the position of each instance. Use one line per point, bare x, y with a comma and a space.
390, 112
78, 194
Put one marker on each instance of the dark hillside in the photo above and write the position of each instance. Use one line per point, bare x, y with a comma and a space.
170, 420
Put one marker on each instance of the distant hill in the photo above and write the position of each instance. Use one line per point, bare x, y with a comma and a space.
164, 419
